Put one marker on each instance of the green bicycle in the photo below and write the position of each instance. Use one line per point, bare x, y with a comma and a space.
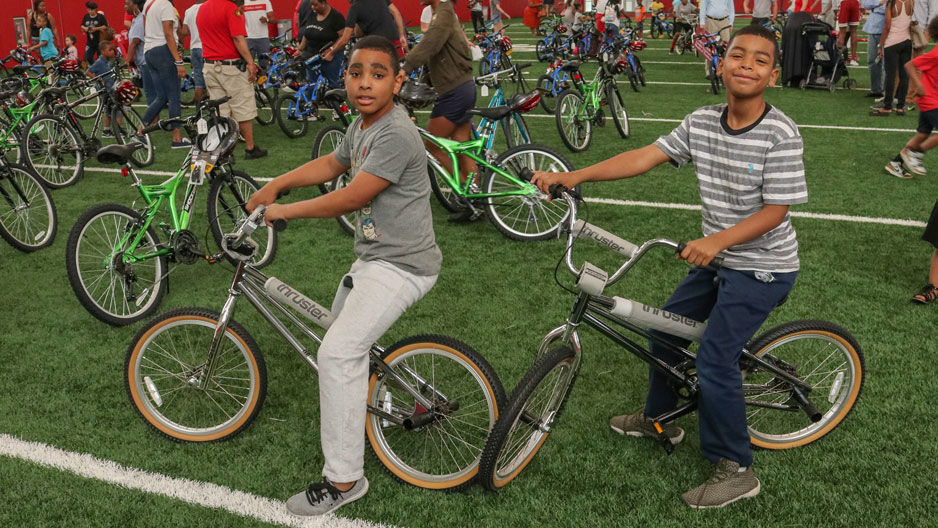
117, 265
580, 107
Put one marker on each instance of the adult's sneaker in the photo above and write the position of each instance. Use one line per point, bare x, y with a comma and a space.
913, 161
322, 498
184, 143
637, 424
726, 485
254, 153
895, 168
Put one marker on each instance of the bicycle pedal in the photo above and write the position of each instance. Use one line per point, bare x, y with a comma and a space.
662, 439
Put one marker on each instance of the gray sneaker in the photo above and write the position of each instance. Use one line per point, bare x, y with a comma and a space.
726, 485
322, 498
639, 425
913, 161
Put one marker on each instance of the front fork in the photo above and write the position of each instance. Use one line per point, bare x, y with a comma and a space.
220, 328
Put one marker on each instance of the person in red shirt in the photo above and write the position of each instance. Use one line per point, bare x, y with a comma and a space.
229, 69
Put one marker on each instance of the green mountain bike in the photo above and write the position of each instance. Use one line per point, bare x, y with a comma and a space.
581, 107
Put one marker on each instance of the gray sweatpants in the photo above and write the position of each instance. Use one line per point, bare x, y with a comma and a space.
380, 294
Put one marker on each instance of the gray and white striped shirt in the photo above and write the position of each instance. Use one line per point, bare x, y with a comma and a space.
739, 172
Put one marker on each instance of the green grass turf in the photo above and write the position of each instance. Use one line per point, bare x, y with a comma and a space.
62, 370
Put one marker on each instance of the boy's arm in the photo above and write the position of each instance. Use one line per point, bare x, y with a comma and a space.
361, 190
701, 251
625, 165
319, 170
915, 80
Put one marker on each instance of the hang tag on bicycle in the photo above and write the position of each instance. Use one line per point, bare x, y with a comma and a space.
485, 91
201, 126
605, 56
197, 176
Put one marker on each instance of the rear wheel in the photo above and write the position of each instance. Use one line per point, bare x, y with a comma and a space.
110, 282
617, 108
441, 189
226, 198
714, 78
78, 90
327, 140
576, 130
164, 369
436, 448
527, 421
53, 152
125, 121
28, 218
526, 216
820, 354
265, 110
545, 85
285, 113
516, 130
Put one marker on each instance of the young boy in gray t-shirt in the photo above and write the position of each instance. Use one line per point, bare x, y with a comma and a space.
398, 259
748, 160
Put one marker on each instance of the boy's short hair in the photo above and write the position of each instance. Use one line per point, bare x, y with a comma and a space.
757, 31
379, 43
105, 45
932, 29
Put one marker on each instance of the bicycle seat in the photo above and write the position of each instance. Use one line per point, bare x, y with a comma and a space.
52, 92
571, 66
338, 93
21, 69
117, 154
494, 113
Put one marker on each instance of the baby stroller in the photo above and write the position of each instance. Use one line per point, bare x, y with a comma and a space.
828, 64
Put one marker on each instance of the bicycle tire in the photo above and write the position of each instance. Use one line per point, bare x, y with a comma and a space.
655, 31
91, 257
78, 89
514, 439
516, 130
617, 108
543, 51
52, 151
265, 111
28, 217
294, 126
681, 44
327, 140
714, 79
227, 196
529, 216
187, 90
575, 132
641, 71
545, 85
453, 368
125, 121
448, 198
191, 414
834, 392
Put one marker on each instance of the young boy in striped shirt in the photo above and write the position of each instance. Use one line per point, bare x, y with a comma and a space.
748, 160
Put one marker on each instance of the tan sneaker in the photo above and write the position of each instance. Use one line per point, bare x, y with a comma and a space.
726, 485
639, 425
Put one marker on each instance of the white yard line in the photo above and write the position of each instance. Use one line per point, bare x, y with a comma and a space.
195, 492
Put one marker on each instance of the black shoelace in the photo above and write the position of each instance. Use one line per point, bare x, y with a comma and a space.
317, 492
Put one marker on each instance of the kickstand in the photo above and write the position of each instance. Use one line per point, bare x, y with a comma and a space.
663, 439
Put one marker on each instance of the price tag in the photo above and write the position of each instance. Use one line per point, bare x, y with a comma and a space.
605, 56
485, 91
201, 126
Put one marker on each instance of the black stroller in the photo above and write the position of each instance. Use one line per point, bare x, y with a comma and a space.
828, 64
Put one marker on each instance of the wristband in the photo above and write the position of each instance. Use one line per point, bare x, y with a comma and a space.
179, 63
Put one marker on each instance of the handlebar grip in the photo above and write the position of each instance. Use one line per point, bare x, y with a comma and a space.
602, 237
716, 262
526, 174
283, 193
556, 190
280, 224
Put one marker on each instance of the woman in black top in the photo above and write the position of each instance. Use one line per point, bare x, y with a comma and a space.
39, 7
323, 30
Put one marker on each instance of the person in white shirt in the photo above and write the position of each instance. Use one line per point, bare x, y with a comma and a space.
426, 16
165, 63
257, 14
188, 28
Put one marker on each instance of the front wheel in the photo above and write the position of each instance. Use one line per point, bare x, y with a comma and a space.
285, 113
714, 78
576, 129
53, 152
265, 110
327, 140
617, 108
525, 424
445, 194
116, 285
821, 355
125, 121
437, 447
28, 218
165, 369
545, 85
519, 210
229, 191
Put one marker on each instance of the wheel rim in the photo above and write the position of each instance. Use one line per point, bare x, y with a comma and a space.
330, 142
102, 273
53, 151
574, 129
527, 215
532, 425
27, 217
824, 363
229, 207
447, 449
291, 126
87, 109
132, 122
172, 400
618, 109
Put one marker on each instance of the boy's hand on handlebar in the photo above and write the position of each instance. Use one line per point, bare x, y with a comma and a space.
543, 180
701, 251
265, 196
274, 212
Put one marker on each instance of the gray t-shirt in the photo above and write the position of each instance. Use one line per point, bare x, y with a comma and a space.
396, 226
761, 8
738, 173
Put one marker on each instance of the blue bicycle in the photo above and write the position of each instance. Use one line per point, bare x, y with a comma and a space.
554, 81
709, 45
293, 112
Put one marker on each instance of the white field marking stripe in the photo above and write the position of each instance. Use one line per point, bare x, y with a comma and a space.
194, 492
677, 83
795, 214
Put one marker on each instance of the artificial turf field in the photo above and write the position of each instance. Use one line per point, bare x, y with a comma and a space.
61, 379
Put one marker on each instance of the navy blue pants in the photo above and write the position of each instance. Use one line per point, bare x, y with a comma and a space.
735, 304
166, 85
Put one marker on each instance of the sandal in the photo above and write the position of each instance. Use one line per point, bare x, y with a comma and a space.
881, 112
928, 294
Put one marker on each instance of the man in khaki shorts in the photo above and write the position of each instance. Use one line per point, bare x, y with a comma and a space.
229, 68
717, 15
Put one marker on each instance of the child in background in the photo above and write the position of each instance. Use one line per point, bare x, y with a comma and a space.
639, 19
102, 66
71, 51
45, 46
